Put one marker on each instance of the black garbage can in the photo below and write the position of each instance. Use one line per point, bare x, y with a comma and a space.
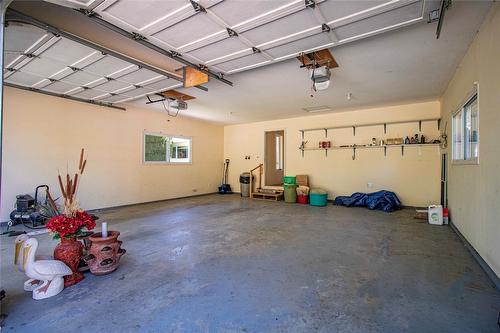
245, 184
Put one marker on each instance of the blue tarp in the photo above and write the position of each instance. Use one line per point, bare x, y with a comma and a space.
382, 200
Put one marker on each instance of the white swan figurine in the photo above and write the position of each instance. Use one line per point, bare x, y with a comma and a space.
31, 284
50, 272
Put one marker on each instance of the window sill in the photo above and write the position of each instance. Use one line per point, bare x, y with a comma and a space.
465, 162
167, 163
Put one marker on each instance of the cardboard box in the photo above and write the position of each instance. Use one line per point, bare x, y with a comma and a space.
302, 180
421, 214
394, 141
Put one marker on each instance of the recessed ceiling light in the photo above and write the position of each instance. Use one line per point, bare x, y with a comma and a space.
314, 109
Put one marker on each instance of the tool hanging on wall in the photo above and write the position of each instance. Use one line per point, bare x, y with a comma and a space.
444, 137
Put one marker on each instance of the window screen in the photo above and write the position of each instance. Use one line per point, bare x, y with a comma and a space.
160, 148
465, 132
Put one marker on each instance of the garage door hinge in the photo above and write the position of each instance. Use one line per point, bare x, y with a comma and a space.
30, 55
197, 7
175, 54
231, 32
310, 3
87, 12
137, 36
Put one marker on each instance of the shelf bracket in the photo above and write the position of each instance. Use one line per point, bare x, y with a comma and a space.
402, 150
354, 130
439, 124
385, 128
353, 153
326, 152
302, 135
326, 133
385, 151
420, 125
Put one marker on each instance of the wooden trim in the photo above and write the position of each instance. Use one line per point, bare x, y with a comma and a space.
176, 95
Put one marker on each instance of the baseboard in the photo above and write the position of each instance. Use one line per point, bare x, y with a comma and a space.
4, 223
149, 202
491, 274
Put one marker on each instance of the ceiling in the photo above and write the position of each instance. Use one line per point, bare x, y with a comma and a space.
386, 51
406, 65
233, 35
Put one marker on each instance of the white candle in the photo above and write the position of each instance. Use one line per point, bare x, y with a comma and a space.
104, 229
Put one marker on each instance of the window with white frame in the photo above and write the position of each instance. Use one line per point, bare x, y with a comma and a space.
162, 148
279, 152
465, 132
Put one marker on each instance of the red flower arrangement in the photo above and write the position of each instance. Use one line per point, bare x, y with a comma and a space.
70, 226
71, 222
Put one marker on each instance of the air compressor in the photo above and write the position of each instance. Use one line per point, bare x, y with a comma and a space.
30, 212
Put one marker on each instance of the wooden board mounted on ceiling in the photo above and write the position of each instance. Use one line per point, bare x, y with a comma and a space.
321, 57
193, 77
176, 95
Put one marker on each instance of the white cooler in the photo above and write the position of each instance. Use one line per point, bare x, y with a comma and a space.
435, 214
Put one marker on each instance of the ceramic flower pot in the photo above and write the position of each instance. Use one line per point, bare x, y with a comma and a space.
70, 251
104, 253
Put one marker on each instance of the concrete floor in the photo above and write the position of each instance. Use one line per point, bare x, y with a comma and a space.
222, 264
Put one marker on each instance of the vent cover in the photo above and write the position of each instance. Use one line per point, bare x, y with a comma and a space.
314, 109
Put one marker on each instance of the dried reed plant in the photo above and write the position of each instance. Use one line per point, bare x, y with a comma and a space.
69, 188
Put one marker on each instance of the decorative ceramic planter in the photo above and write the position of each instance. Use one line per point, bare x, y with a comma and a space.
84, 238
70, 251
104, 253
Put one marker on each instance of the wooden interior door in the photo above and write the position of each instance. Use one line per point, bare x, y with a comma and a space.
274, 157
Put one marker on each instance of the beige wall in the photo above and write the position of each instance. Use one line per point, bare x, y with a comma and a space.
44, 133
474, 190
414, 177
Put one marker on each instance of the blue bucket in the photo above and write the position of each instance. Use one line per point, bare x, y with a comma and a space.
318, 199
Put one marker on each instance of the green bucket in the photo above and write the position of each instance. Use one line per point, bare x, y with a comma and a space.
290, 193
289, 180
